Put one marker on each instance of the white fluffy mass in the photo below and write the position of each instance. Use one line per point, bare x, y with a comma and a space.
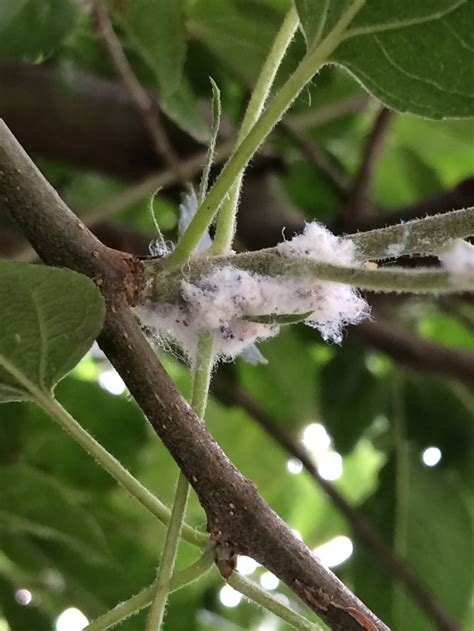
221, 301
458, 260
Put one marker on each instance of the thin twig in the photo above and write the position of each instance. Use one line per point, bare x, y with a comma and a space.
320, 159
362, 529
417, 353
137, 192
358, 202
144, 103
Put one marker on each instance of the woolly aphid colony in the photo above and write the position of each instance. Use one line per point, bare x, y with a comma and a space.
222, 302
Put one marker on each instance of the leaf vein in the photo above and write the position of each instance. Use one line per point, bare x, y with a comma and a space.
322, 24
415, 77
42, 337
456, 36
398, 24
355, 70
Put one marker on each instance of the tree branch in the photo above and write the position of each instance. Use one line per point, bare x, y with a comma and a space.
362, 529
415, 352
358, 201
61, 117
238, 518
144, 102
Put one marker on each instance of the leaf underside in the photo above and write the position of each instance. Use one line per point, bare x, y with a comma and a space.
415, 57
48, 320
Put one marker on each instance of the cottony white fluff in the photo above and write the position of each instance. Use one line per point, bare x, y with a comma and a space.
320, 243
219, 301
458, 260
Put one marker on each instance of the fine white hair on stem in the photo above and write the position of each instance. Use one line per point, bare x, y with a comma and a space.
224, 301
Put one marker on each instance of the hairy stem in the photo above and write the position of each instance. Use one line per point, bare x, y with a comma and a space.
253, 592
141, 600
201, 381
226, 222
166, 284
54, 409
311, 63
192, 573
419, 236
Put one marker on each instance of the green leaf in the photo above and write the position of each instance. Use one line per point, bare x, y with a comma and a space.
286, 386
446, 419
30, 29
237, 30
275, 318
444, 145
415, 57
182, 107
403, 177
350, 397
424, 179
9, 10
434, 533
448, 329
157, 29
313, 16
48, 320
216, 121
34, 503
113, 421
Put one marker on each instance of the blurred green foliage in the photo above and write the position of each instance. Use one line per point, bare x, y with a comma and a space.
67, 534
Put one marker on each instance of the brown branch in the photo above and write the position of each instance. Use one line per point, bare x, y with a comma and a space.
414, 352
83, 120
61, 117
358, 202
238, 517
144, 103
362, 529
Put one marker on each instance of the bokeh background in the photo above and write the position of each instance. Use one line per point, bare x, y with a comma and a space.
386, 418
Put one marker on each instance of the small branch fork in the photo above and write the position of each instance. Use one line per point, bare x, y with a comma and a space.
238, 517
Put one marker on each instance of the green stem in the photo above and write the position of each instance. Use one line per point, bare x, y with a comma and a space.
166, 284
420, 236
180, 579
54, 409
311, 63
141, 600
226, 222
255, 593
201, 381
